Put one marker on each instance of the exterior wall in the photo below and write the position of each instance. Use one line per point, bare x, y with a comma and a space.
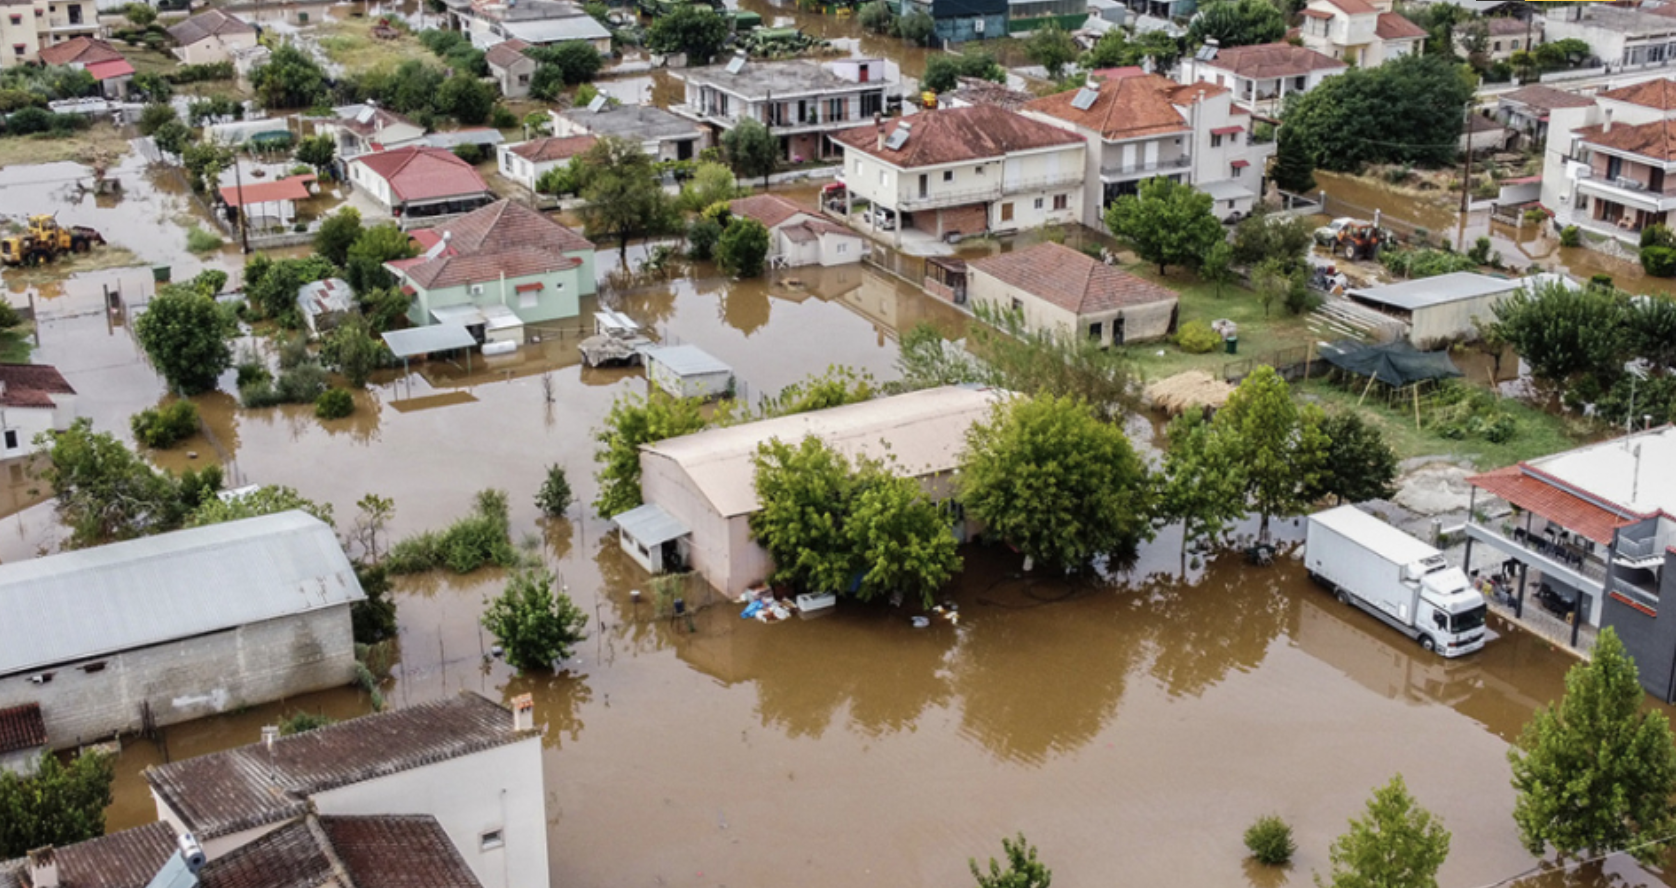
1017, 179
23, 762
497, 789
71, 19
706, 385
840, 249
1613, 47
1263, 95
793, 253
1557, 190
558, 298
20, 40
1435, 325
518, 169
515, 79
1141, 322
1649, 639
20, 425
1500, 47
831, 112
709, 550
190, 678
215, 48
371, 182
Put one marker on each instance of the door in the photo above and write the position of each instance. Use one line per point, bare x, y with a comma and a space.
1006, 213
923, 185
1150, 155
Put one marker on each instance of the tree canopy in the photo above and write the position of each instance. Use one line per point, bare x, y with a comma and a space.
58, 805
104, 492
1237, 23
743, 247
1278, 445
1053, 48
1168, 223
536, 625
337, 234
1116, 49
1395, 844
942, 69
635, 420
289, 79
621, 186
1409, 110
692, 28
1198, 484
1594, 773
1024, 869
1360, 465
185, 334
752, 150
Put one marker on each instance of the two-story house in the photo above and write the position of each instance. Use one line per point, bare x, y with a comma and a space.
1144, 126
29, 26
1365, 33
663, 135
534, 22
1261, 76
1496, 39
364, 129
1619, 36
965, 171
957, 21
1527, 110
802, 102
1608, 166
496, 269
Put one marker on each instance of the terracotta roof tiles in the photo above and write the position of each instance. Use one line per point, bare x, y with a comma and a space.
397, 852
127, 859
79, 50
1352, 7
1392, 26
1266, 61
1660, 94
769, 209
1127, 108
955, 135
1657, 140
1071, 280
1545, 98
210, 23
553, 148
31, 385
503, 238
21, 728
418, 173
1513, 485
507, 53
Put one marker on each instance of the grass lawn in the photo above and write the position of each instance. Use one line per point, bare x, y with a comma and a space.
1199, 301
350, 43
46, 148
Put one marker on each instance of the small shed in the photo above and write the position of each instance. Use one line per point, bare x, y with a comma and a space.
324, 304
1443, 309
688, 371
654, 538
23, 739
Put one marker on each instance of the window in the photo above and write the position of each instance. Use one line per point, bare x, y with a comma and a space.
495, 838
524, 80
91, 668
841, 247
949, 175
76, 14
882, 178
11, 439
979, 170
477, 289
1515, 44
1217, 140
1017, 304
1037, 203
1007, 212
17, 49
17, 19
528, 299
1497, 46
1095, 332
1060, 201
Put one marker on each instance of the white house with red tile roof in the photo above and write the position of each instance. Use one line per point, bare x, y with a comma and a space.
97, 58
1365, 33
798, 235
270, 204
363, 129
1057, 288
1262, 76
525, 162
1609, 165
496, 269
34, 398
416, 182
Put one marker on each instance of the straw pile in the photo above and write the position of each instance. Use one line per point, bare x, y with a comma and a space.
1191, 390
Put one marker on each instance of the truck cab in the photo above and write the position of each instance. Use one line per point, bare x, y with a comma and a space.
1450, 613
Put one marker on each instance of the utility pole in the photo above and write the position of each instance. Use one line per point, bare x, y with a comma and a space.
239, 189
1467, 171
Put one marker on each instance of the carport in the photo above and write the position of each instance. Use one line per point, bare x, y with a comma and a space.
435, 339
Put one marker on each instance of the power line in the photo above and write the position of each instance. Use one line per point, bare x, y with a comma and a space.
1539, 868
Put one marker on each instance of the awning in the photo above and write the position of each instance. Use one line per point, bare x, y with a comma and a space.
428, 340
650, 525
1240, 164
1229, 130
1226, 189
1576, 514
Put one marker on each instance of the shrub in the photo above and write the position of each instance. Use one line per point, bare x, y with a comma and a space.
1658, 261
334, 404
469, 152
478, 539
164, 427
1656, 235
1270, 840
199, 240
554, 497
1196, 337
303, 722
1570, 236
300, 384
702, 238
502, 117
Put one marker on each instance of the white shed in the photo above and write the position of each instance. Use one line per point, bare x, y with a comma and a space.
688, 371
1443, 309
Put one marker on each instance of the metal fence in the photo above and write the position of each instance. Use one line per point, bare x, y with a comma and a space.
1292, 364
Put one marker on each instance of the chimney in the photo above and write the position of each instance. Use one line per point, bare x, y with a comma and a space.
524, 712
879, 145
192, 853
270, 733
43, 868
1607, 118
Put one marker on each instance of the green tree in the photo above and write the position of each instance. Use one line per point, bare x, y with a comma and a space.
1054, 49
364, 263
164, 427
805, 491
1199, 484
621, 186
1349, 120
1395, 844
836, 386
902, 540
1594, 773
1057, 483
1168, 223
691, 28
1051, 361
352, 350
271, 286
554, 496
1116, 49
1294, 167
173, 137
576, 61
1024, 870
1562, 331
204, 163
548, 83
1360, 465
918, 28
139, 14
535, 624
373, 619
318, 152
58, 805
289, 79
925, 359
1272, 236
632, 422
711, 183
154, 116
703, 235
185, 334
942, 70
752, 150
743, 247
467, 99
876, 16
1215, 266
1279, 444
269, 499
337, 234
103, 492
1237, 23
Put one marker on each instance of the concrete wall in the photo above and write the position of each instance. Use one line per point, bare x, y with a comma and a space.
20, 425
664, 483
26, 31
1435, 325
371, 182
701, 385
1649, 639
190, 678
1141, 322
23, 762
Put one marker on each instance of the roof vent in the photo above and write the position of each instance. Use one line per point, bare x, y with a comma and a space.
899, 138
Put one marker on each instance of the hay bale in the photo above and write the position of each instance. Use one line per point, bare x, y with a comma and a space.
1190, 390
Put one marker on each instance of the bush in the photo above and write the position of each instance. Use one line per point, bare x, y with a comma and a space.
466, 545
1570, 236
1270, 840
469, 152
164, 427
703, 235
303, 722
300, 384
334, 404
199, 240
554, 497
1196, 337
1658, 261
253, 372
502, 117
743, 247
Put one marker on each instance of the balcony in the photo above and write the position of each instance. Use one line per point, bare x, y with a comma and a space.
1144, 170
1647, 552
1627, 192
936, 198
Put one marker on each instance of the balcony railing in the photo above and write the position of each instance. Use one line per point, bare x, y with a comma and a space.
1628, 191
1142, 169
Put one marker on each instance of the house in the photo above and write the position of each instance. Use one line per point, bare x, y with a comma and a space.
96, 57
1365, 33
1595, 524
416, 182
487, 138
533, 22
1503, 36
1444, 309
1261, 76
23, 739
1484, 134
1609, 166
1162, 11
364, 129
470, 764
1527, 110
271, 204
324, 304
511, 68
958, 21
802, 102
663, 135
525, 162
29, 26
1141, 126
34, 398
799, 235
497, 268
211, 36
702, 483
1619, 36
965, 171
1057, 288
687, 371
1032, 15
177, 626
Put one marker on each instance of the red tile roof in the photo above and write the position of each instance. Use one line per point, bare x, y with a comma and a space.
1352, 7
1660, 94
1071, 280
206, 24
1657, 140
289, 188
108, 70
1546, 98
397, 852
21, 728
1266, 61
1513, 485
79, 50
508, 53
1509, 26
553, 148
1392, 26
769, 209
31, 385
503, 238
417, 173
1128, 108
954, 135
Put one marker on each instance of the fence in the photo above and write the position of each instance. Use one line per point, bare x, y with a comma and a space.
911, 269
1292, 364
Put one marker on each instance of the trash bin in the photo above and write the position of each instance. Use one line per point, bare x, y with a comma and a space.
1230, 343
160, 274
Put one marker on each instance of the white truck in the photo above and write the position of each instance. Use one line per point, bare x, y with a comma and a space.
1397, 578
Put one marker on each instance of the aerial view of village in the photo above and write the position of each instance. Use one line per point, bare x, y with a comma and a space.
834, 443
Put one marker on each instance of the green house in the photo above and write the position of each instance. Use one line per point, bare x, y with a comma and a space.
496, 269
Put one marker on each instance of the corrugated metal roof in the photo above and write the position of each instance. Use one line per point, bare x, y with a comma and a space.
650, 524
1438, 290
686, 360
577, 27
125, 595
426, 340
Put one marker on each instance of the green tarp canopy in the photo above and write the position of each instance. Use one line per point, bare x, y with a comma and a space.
1395, 363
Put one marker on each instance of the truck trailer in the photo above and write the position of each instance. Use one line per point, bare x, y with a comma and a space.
1397, 578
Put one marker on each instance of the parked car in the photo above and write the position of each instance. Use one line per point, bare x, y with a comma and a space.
1328, 234
884, 219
